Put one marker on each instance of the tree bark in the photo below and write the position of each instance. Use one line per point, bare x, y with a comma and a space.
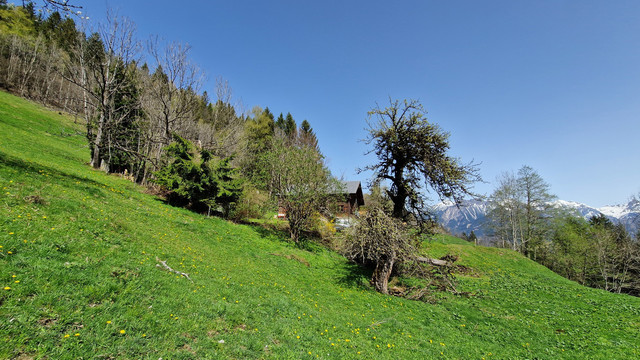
380, 278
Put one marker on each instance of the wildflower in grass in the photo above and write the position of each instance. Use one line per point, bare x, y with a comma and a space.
17, 281
76, 334
108, 321
10, 233
66, 335
122, 331
7, 288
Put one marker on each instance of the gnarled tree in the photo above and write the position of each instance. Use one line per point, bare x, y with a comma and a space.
412, 157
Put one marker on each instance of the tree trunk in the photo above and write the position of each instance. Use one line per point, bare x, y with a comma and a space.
381, 274
95, 160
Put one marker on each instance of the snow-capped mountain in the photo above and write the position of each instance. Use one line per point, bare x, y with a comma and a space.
471, 215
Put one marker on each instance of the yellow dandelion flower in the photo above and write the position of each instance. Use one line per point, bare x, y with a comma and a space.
298, 337
108, 321
76, 334
122, 331
7, 288
17, 281
66, 335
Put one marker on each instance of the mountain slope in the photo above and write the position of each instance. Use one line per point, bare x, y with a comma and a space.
79, 279
472, 215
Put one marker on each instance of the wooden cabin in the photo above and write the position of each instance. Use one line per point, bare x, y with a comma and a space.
353, 198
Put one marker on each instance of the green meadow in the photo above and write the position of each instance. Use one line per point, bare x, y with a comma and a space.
79, 279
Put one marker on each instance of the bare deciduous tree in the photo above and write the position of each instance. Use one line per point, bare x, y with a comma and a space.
174, 83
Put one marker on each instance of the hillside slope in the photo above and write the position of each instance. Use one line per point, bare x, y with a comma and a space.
79, 279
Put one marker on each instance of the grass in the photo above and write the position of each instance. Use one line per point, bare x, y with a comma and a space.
78, 279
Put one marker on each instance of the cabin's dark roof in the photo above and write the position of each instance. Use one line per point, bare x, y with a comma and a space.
351, 186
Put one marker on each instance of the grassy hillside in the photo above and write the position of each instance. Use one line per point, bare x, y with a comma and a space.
79, 280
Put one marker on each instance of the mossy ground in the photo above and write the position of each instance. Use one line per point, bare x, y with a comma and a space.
79, 280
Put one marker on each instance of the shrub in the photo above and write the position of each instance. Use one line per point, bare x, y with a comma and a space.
379, 241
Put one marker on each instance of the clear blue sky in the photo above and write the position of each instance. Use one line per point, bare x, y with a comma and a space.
550, 84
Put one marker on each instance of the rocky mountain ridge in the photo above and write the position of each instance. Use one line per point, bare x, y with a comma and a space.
472, 215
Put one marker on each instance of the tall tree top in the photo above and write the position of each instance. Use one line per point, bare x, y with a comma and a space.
412, 156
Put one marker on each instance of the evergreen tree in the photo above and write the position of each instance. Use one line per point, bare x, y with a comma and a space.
306, 135
280, 124
196, 178
289, 125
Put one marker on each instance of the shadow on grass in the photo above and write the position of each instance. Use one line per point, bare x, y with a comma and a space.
354, 276
283, 237
72, 181
351, 275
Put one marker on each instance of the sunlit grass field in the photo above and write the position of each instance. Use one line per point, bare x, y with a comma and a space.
79, 279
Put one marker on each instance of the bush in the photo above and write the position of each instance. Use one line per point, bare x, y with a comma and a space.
252, 204
379, 241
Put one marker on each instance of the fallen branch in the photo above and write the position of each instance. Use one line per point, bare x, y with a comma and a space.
168, 268
436, 262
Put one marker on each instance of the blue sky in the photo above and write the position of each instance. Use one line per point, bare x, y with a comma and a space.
550, 84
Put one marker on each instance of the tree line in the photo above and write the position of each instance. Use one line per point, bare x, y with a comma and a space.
594, 252
151, 121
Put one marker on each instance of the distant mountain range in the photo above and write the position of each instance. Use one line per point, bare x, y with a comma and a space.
471, 215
